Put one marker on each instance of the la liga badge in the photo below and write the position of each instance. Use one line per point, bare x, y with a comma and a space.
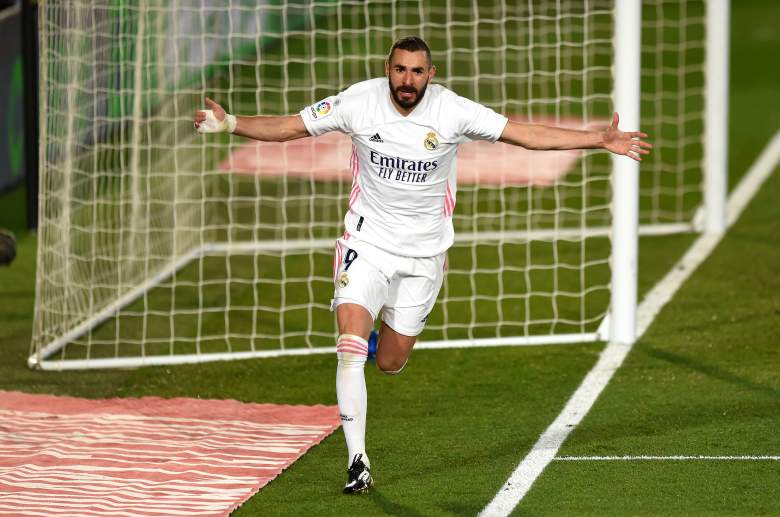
320, 110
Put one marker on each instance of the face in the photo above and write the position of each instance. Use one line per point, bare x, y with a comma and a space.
409, 74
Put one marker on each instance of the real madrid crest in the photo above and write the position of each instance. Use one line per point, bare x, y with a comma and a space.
343, 279
431, 142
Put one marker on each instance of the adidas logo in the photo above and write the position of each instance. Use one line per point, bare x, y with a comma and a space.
376, 138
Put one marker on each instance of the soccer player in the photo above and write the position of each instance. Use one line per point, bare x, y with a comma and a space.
391, 259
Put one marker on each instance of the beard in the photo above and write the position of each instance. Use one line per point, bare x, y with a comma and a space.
419, 94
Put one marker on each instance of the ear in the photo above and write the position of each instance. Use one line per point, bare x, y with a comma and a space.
433, 72
387, 68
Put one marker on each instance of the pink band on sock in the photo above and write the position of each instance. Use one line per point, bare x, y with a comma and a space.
352, 345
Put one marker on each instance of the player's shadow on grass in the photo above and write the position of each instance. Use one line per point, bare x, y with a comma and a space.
711, 371
391, 507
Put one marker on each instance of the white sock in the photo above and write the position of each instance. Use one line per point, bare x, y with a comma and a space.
352, 352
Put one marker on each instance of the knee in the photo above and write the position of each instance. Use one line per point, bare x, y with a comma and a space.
390, 366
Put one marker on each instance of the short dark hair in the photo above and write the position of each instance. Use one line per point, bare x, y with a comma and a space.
411, 44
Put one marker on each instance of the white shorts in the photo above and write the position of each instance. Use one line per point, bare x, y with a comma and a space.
403, 288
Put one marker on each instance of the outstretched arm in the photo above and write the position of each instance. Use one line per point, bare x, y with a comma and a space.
532, 136
264, 128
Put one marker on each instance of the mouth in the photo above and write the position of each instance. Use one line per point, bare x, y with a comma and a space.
406, 95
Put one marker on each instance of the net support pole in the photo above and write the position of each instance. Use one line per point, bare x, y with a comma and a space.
625, 173
716, 94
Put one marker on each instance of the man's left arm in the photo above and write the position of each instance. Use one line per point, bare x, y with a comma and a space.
537, 137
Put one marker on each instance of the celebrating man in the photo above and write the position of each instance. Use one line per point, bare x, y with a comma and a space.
391, 259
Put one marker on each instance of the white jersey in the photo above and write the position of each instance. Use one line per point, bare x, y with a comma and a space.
403, 167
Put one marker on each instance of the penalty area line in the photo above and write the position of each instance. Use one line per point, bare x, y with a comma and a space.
546, 448
667, 458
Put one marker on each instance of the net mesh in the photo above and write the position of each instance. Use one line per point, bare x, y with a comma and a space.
179, 243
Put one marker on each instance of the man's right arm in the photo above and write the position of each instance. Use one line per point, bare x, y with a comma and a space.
270, 128
260, 127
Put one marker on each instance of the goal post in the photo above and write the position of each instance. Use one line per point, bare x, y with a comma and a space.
717, 110
157, 245
625, 174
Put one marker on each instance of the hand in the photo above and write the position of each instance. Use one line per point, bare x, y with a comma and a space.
211, 120
628, 144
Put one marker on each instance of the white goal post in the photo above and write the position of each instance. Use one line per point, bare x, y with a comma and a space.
160, 246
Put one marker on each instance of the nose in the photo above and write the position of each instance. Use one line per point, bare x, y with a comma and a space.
408, 79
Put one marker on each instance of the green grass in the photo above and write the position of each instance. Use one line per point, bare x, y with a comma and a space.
702, 381
444, 435
653, 488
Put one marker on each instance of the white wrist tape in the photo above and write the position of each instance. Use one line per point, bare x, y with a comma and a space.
212, 125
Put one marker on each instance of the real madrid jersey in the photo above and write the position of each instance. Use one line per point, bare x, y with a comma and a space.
403, 167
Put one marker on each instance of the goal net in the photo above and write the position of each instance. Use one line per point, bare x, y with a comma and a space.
158, 245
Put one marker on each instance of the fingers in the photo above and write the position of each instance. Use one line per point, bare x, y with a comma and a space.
615, 119
200, 117
641, 145
638, 146
635, 152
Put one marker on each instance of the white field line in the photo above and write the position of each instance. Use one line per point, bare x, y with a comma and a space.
667, 458
546, 448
